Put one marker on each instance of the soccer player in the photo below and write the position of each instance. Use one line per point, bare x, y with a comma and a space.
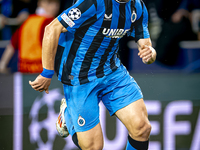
81, 45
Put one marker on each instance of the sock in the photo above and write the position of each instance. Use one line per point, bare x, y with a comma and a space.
136, 145
75, 140
129, 147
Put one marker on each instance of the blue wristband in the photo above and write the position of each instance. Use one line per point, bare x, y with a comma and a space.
47, 73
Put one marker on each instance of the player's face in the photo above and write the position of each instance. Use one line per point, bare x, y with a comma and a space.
53, 8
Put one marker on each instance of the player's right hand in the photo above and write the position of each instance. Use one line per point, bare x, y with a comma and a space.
148, 54
41, 84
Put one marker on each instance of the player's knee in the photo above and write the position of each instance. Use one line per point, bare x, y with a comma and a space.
91, 139
147, 130
92, 145
141, 129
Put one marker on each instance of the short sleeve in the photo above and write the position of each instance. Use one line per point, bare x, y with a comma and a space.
140, 26
78, 14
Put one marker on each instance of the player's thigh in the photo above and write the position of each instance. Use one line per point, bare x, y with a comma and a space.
82, 106
91, 139
121, 90
134, 117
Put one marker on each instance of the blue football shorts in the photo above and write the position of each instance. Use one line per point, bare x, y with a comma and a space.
115, 90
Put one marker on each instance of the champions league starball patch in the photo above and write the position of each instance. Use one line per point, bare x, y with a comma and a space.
81, 121
74, 13
133, 17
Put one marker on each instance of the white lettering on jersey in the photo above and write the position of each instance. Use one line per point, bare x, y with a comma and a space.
104, 31
114, 33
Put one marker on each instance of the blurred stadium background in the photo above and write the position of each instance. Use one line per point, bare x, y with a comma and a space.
171, 88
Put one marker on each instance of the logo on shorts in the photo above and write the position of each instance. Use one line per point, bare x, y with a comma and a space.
81, 121
74, 13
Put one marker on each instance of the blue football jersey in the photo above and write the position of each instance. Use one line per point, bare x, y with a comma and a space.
89, 49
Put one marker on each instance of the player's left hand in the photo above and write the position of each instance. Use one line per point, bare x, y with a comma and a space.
41, 84
148, 54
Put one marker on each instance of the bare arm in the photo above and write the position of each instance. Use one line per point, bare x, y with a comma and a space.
6, 57
18, 20
50, 43
49, 48
146, 51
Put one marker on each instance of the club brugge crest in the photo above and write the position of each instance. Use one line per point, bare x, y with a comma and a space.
81, 121
133, 17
